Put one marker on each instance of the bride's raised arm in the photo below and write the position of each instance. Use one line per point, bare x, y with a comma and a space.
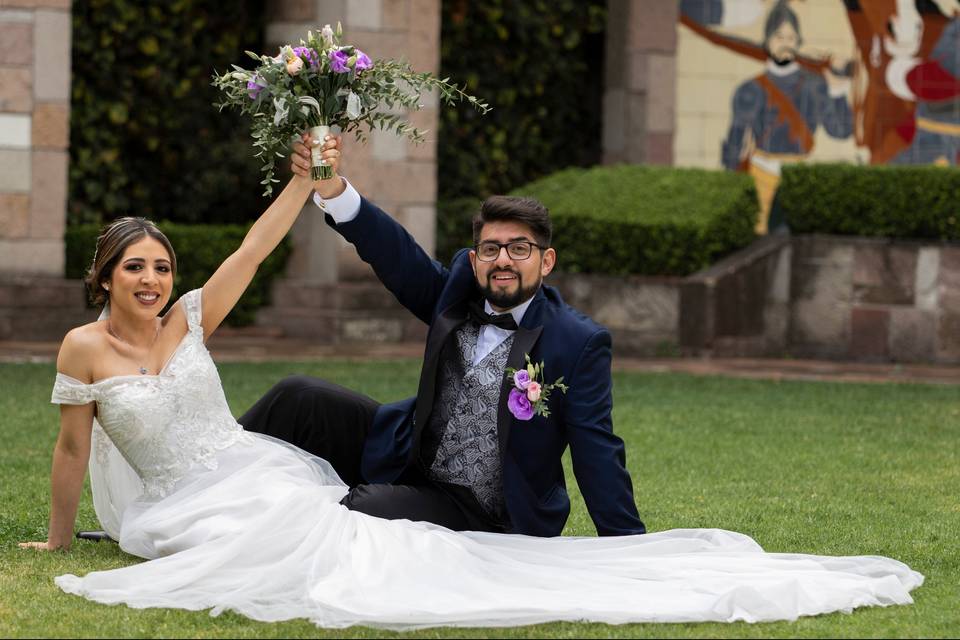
224, 288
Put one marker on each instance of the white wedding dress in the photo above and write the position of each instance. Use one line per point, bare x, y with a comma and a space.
235, 520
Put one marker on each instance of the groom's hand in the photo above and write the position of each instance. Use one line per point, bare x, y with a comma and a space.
300, 163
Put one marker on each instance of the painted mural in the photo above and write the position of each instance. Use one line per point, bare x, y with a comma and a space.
869, 81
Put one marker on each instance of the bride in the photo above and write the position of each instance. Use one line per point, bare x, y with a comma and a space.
229, 519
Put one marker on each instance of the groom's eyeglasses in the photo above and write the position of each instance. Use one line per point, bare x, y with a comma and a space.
518, 250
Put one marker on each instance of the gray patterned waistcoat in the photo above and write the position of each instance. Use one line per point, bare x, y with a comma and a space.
462, 429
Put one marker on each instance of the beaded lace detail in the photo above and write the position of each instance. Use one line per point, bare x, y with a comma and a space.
163, 425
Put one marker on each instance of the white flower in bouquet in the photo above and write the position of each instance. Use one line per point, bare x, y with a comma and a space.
324, 83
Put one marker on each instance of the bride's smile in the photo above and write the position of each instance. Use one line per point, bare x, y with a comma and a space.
142, 281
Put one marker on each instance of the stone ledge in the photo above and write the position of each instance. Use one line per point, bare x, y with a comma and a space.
41, 307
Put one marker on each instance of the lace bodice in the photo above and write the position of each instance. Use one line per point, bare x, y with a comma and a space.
166, 424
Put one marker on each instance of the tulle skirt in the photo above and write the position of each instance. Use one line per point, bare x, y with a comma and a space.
264, 535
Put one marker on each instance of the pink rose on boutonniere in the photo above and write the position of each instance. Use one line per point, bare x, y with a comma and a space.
530, 395
533, 391
519, 406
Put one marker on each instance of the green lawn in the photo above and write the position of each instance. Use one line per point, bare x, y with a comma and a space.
844, 469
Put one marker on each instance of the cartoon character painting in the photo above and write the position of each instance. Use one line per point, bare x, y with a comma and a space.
898, 100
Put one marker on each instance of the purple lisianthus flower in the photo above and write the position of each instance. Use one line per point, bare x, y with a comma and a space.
308, 54
363, 61
519, 405
338, 61
521, 379
254, 87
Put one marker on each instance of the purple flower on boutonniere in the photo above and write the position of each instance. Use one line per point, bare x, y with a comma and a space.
530, 394
519, 406
521, 379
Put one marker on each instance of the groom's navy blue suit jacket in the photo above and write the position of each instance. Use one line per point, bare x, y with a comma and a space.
570, 345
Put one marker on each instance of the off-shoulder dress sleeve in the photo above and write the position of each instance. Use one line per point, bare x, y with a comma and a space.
67, 390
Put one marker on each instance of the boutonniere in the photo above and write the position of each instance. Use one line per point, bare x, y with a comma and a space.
530, 394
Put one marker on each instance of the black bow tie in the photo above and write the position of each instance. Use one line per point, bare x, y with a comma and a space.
503, 321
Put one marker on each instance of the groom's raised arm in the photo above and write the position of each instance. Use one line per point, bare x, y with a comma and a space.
401, 264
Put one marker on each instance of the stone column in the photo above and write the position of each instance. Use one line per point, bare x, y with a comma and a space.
34, 134
397, 175
639, 103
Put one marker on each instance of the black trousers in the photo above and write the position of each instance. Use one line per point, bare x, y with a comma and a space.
332, 422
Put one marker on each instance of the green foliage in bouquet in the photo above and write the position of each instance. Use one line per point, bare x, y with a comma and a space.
892, 202
202, 248
144, 139
323, 82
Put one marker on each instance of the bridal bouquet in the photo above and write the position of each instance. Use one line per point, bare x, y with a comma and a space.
323, 83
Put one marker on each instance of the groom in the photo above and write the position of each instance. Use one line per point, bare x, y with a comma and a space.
455, 455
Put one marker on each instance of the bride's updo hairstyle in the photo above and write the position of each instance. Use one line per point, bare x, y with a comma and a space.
113, 241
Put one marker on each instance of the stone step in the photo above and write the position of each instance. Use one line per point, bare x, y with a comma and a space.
42, 323
41, 291
343, 295
340, 326
41, 307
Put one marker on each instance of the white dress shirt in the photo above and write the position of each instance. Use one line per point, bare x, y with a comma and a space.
491, 336
345, 208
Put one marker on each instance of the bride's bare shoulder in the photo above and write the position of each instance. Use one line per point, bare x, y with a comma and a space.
79, 350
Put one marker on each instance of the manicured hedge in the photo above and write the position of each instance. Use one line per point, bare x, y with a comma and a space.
646, 220
200, 250
895, 202
631, 219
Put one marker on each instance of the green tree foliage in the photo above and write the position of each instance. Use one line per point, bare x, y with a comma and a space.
540, 67
894, 202
145, 138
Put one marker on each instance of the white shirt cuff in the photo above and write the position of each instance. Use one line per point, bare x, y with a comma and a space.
344, 207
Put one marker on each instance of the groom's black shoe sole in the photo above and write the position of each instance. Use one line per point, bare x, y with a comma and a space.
96, 536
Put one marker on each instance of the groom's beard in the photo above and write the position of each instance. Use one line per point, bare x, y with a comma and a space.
506, 300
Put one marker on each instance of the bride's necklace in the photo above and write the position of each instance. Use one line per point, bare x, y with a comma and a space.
143, 369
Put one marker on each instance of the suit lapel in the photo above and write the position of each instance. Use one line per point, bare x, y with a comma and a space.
523, 341
446, 323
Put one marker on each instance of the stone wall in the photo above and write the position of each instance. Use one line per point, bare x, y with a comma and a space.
875, 300
641, 312
741, 305
34, 134
829, 297
832, 297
